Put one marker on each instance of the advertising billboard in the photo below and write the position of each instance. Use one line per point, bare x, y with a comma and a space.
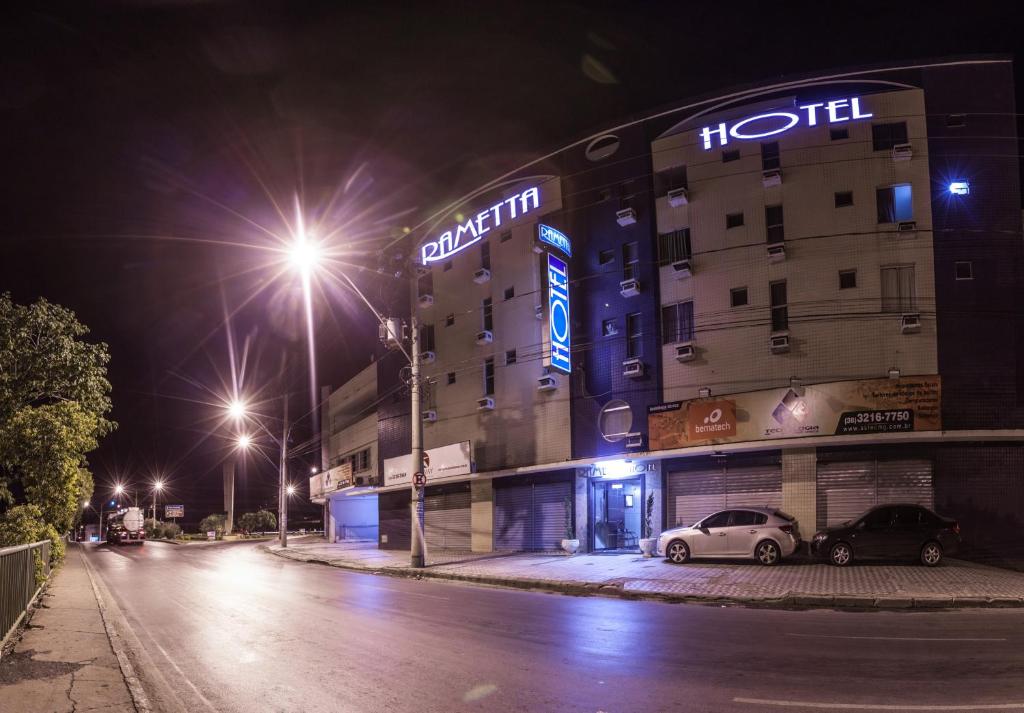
439, 463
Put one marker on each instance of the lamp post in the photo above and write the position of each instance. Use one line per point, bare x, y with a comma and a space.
157, 487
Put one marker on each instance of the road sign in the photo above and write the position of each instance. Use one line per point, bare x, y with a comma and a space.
419, 480
211, 534
174, 511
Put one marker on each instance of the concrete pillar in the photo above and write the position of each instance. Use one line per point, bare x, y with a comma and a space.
481, 515
653, 484
581, 495
800, 487
332, 527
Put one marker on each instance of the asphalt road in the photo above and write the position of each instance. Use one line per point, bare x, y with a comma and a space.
227, 627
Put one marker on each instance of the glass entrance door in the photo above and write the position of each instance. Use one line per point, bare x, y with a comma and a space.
616, 514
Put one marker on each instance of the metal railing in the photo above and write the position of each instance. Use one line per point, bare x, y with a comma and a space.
18, 585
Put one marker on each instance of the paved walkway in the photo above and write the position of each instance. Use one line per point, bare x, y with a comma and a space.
64, 661
794, 583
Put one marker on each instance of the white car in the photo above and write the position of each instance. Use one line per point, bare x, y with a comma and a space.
764, 534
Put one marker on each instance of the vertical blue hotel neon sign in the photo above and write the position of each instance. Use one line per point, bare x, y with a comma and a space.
558, 314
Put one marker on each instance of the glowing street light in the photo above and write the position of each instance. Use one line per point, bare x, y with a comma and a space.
291, 490
304, 254
244, 441
236, 409
158, 485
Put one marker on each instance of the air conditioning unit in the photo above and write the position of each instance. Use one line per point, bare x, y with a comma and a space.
485, 404
685, 352
430, 416
678, 197
633, 368
682, 268
907, 226
771, 177
538, 311
634, 440
426, 301
481, 276
910, 323
776, 252
428, 357
361, 480
422, 270
778, 343
391, 332
626, 216
548, 382
484, 336
629, 288
902, 152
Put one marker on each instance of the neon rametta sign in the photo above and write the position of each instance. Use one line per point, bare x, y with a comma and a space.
558, 314
776, 122
473, 230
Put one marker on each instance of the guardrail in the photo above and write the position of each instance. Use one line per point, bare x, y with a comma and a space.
18, 581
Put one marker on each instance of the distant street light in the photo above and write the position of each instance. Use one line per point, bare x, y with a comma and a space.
291, 490
157, 487
244, 441
236, 409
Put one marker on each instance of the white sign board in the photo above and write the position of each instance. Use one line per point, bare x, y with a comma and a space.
337, 478
445, 462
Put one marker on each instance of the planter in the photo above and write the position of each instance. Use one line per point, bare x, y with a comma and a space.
570, 546
647, 546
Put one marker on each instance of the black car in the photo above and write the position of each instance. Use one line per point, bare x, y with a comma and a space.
893, 531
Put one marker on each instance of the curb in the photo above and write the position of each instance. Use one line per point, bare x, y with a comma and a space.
617, 589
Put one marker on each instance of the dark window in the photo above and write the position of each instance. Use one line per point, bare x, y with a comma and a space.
677, 323
605, 257
956, 121
451, 377
895, 203
908, 516
447, 266
899, 290
489, 377
608, 328
733, 155
674, 246
779, 306
717, 520
630, 259
839, 134
847, 279
844, 198
449, 320
510, 357
885, 136
510, 292
738, 297
427, 337
743, 518
485, 255
506, 236
488, 315
773, 224
770, 155
425, 284
963, 270
733, 220
879, 519
760, 518
669, 180
634, 335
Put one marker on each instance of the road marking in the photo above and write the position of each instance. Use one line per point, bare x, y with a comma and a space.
881, 706
889, 638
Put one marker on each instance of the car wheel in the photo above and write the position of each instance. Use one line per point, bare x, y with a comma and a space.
840, 555
768, 553
678, 552
931, 554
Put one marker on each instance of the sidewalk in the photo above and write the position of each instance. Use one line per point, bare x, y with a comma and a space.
797, 583
64, 660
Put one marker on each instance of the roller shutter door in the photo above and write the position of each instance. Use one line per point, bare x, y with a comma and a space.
530, 517
694, 494
446, 515
847, 489
395, 520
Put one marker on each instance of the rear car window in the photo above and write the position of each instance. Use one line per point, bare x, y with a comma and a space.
760, 518
744, 517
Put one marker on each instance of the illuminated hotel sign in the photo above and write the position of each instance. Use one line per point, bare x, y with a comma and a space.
558, 314
762, 126
473, 230
554, 238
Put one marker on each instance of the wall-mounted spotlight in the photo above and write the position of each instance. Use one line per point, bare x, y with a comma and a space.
960, 188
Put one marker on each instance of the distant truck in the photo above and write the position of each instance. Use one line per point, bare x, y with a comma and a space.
126, 526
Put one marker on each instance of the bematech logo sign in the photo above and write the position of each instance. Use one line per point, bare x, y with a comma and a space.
710, 419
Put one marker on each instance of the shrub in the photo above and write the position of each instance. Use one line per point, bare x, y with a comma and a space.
171, 530
23, 525
215, 522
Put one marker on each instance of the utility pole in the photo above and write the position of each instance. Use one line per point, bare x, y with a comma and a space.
418, 546
282, 501
154, 507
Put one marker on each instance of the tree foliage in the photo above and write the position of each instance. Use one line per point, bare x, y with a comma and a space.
260, 521
24, 524
215, 522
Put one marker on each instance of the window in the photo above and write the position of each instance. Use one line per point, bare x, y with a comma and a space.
485, 255
489, 377
487, 311
606, 257
427, 338
779, 306
908, 516
738, 297
885, 136
634, 335
510, 357
743, 518
773, 224
510, 292
451, 378
630, 260
844, 198
728, 156
506, 236
717, 520
447, 266
963, 270
899, 293
360, 460
669, 180
674, 246
733, 220
847, 279
839, 134
425, 284
770, 156
677, 322
895, 203
880, 519
608, 328
449, 320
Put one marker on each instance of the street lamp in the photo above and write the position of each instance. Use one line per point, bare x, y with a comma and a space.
236, 409
244, 441
157, 487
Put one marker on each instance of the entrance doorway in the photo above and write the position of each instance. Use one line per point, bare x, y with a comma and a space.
615, 515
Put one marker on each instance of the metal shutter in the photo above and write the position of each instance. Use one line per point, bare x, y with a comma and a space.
905, 481
446, 515
845, 490
694, 494
549, 515
530, 517
395, 520
758, 486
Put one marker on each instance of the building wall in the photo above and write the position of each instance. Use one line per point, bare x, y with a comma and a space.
356, 437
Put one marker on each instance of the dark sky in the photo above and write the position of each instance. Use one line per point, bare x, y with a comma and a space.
139, 137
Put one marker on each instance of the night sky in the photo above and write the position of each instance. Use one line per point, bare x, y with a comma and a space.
146, 145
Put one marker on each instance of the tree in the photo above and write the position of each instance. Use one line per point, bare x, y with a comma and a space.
261, 521
23, 525
215, 522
